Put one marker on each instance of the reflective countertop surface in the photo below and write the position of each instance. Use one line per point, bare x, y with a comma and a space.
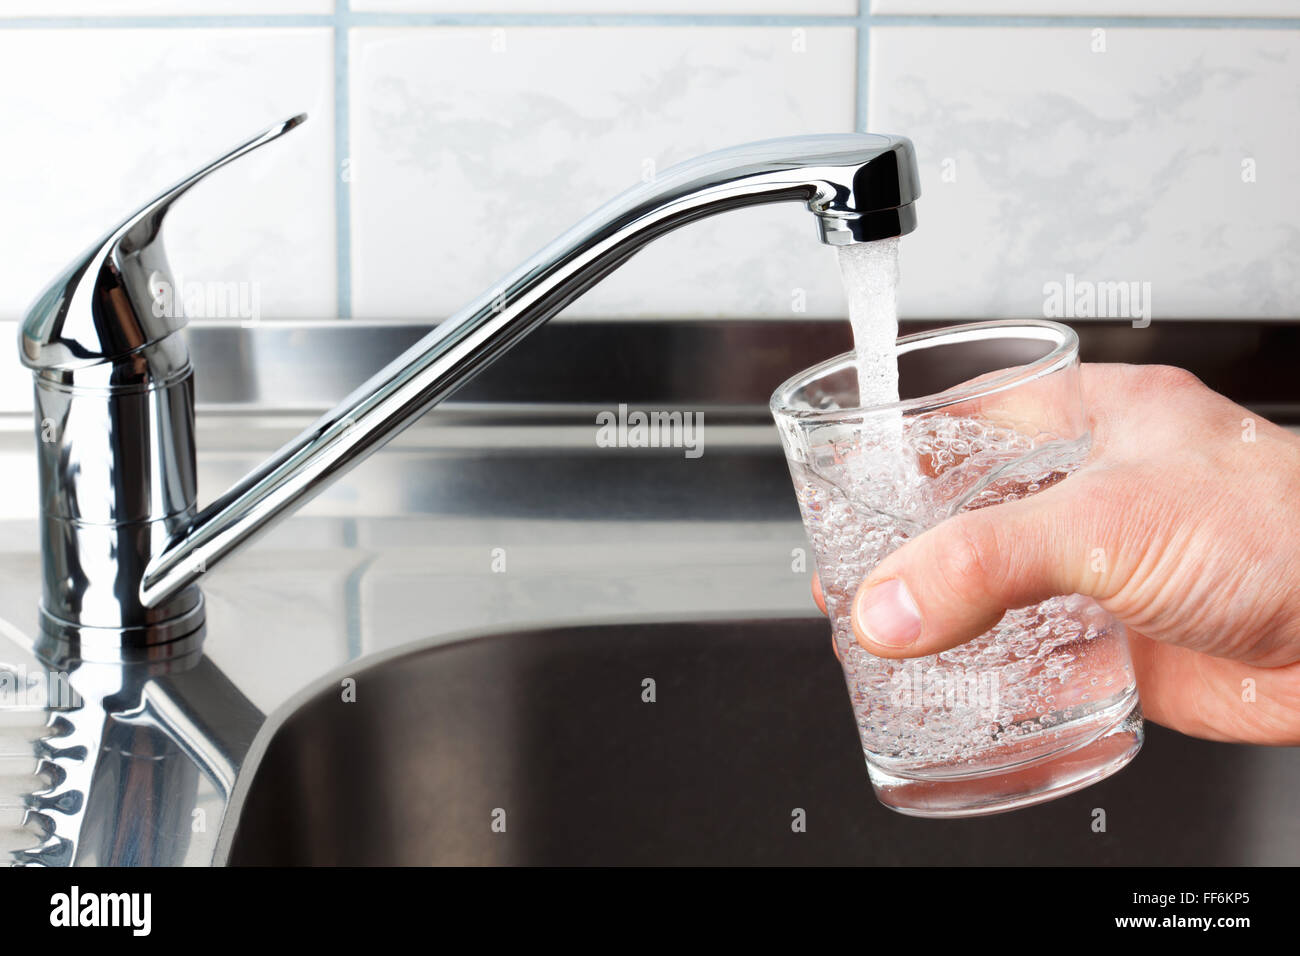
450, 531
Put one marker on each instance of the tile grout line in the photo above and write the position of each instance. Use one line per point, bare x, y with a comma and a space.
342, 159
343, 15
862, 118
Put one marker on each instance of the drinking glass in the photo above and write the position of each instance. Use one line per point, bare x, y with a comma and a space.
1045, 702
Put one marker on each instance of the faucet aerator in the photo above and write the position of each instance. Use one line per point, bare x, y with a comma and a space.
851, 228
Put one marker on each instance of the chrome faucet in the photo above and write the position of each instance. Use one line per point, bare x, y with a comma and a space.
124, 542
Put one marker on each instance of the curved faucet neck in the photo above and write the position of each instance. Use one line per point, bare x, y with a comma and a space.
860, 187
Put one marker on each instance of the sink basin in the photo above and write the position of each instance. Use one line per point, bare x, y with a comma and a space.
546, 732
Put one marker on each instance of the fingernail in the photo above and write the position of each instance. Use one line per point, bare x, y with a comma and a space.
887, 614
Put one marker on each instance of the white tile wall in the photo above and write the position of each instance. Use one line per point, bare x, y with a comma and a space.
467, 161
1123, 165
133, 8
1042, 158
1092, 8
182, 8
97, 122
803, 7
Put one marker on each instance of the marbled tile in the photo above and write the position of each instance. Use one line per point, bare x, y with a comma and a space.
473, 147
100, 121
161, 8
656, 7
1092, 8
1165, 156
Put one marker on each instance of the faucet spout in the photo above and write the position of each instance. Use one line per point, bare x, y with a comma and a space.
859, 187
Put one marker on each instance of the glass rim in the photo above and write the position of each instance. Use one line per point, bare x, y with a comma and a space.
1064, 353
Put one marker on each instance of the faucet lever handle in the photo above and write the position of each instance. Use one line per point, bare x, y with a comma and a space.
144, 226
102, 307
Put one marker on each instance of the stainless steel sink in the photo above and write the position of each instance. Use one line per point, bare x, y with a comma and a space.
750, 722
382, 577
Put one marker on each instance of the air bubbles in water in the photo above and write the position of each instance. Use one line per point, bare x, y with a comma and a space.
870, 274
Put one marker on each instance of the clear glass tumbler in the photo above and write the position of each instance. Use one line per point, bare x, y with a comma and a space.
1044, 703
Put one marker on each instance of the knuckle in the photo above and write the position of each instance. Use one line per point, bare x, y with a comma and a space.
1164, 378
965, 558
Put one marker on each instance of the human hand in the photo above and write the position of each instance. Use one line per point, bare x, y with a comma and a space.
1193, 504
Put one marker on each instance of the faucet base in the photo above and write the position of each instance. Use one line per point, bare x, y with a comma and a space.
62, 641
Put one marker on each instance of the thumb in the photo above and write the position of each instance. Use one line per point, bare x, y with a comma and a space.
954, 582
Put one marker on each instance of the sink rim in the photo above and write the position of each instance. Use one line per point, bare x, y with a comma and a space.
294, 702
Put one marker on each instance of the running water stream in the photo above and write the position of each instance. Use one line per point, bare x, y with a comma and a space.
870, 274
